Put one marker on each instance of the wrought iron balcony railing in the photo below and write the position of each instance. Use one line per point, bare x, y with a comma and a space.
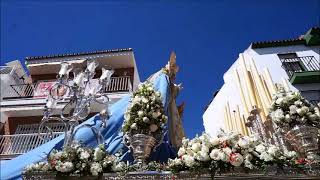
6, 69
300, 64
16, 144
315, 102
39, 90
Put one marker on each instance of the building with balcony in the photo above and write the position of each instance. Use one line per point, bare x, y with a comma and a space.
293, 62
24, 92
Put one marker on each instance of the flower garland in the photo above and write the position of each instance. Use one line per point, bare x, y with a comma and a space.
79, 160
226, 151
216, 154
145, 114
290, 108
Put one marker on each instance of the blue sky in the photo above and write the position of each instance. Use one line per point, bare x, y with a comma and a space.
207, 36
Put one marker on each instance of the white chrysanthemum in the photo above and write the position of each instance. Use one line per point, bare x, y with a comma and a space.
293, 109
260, 148
204, 148
298, 103
266, 157
287, 118
243, 143
185, 141
224, 157
84, 155
134, 126
95, 169
140, 113
189, 151
145, 119
279, 101
214, 141
64, 167
215, 154
188, 160
202, 156
227, 150
145, 100
99, 154
118, 166
278, 114
290, 154
273, 150
196, 147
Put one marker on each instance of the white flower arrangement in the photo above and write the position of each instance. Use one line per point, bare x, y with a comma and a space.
225, 151
145, 114
290, 108
77, 160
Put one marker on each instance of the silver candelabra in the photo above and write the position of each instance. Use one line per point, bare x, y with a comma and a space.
80, 92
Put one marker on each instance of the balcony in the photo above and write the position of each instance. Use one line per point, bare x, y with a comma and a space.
315, 102
26, 138
39, 89
16, 144
302, 70
6, 70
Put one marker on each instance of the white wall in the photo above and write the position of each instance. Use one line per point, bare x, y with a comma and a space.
213, 117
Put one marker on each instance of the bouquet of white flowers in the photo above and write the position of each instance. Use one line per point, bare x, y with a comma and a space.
226, 151
78, 160
290, 108
145, 114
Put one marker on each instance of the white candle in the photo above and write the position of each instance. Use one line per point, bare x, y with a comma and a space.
92, 66
79, 78
106, 74
92, 90
51, 103
63, 69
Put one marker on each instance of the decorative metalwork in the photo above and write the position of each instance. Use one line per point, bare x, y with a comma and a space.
237, 173
77, 108
256, 125
141, 145
304, 140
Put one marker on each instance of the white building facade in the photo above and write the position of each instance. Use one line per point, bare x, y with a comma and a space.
295, 63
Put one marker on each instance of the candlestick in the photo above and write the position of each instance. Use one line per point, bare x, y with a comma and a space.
261, 103
51, 103
92, 66
63, 69
269, 81
262, 92
79, 79
242, 125
265, 86
248, 82
106, 74
243, 99
226, 125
